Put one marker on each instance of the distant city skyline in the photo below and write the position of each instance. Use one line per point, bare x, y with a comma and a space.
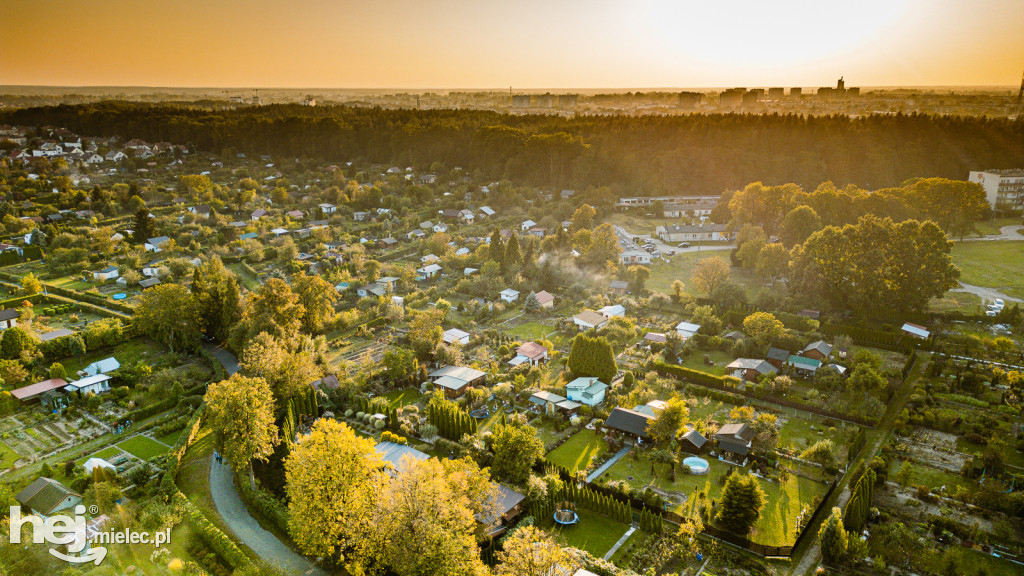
529, 45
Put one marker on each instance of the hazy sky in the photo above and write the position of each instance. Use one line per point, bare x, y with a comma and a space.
520, 43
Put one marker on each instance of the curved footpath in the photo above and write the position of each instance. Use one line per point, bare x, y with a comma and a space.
232, 510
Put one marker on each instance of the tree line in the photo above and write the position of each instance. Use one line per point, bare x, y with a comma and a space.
680, 154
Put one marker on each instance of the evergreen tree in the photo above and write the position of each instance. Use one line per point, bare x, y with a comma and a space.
497, 249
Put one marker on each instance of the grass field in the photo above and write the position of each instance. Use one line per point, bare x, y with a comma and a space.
106, 454
531, 331
579, 450
696, 361
956, 302
993, 226
680, 267
998, 265
933, 478
143, 447
171, 438
403, 397
783, 501
248, 280
7, 456
594, 533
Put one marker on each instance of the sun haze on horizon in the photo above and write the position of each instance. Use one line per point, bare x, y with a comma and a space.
528, 44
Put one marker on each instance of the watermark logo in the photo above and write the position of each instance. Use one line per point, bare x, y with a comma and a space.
75, 535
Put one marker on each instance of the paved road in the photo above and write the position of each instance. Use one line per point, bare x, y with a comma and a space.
604, 467
232, 510
625, 235
237, 517
226, 359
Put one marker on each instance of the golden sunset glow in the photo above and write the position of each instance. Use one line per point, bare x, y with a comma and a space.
527, 44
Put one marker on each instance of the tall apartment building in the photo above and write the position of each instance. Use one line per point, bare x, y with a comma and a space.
1004, 189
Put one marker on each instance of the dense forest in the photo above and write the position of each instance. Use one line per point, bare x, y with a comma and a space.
695, 154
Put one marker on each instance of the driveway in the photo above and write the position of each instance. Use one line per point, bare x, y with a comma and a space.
625, 239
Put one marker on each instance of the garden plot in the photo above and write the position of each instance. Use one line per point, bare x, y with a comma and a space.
935, 449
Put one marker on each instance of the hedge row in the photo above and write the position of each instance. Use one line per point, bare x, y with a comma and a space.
213, 536
272, 510
163, 405
695, 376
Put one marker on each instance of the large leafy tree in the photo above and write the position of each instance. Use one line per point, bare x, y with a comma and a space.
217, 297
168, 313
604, 246
741, 504
424, 520
583, 218
274, 309
287, 371
516, 447
763, 326
529, 551
242, 414
798, 225
669, 421
317, 298
333, 478
710, 273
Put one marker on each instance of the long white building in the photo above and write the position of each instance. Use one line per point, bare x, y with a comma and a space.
1004, 189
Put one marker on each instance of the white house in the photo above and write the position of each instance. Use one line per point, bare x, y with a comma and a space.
635, 257
589, 391
360, 216
509, 295
915, 330
429, 259
328, 208
455, 336
152, 270
687, 329
487, 211
429, 271
613, 311
8, 318
97, 384
527, 225
108, 273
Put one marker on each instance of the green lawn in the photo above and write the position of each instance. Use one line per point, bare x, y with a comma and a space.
783, 502
679, 268
248, 280
7, 456
956, 302
1011, 455
594, 533
998, 265
403, 397
695, 361
579, 450
993, 226
171, 438
106, 454
531, 331
800, 433
143, 447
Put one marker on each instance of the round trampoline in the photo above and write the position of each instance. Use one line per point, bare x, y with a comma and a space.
698, 466
480, 413
566, 517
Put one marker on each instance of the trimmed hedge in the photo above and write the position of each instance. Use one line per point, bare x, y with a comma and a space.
264, 504
163, 405
695, 376
213, 536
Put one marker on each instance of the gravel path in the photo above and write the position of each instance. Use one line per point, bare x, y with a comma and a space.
1005, 233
